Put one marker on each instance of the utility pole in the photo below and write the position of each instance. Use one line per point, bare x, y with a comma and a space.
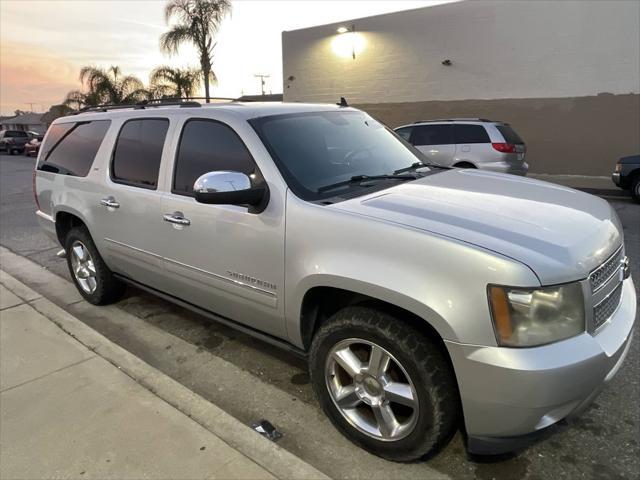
262, 82
31, 104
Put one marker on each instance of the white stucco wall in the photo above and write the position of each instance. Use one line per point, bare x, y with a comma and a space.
517, 49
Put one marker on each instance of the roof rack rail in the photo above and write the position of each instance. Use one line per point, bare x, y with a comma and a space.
188, 99
156, 102
454, 120
135, 106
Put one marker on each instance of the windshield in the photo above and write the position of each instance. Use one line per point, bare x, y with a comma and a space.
313, 150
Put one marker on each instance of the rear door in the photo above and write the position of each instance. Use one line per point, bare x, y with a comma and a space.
473, 144
435, 141
127, 210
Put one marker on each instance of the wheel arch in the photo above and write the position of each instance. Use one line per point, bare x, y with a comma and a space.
465, 164
65, 220
320, 301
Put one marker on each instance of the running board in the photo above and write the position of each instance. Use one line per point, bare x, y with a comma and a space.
276, 342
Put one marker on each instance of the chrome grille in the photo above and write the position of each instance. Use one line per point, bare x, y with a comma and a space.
599, 276
603, 310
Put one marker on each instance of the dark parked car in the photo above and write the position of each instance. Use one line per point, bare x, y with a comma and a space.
627, 175
33, 146
13, 141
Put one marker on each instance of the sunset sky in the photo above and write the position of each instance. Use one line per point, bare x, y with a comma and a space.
43, 43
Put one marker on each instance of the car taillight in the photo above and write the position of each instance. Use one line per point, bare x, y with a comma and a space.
504, 147
33, 185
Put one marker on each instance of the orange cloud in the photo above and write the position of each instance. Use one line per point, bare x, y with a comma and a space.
33, 75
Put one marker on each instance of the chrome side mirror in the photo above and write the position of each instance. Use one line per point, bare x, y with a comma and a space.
230, 188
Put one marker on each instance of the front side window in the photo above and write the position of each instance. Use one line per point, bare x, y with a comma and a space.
138, 151
432, 135
209, 146
466, 133
317, 149
71, 147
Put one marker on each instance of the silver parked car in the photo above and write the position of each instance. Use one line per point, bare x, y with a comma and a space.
469, 143
425, 298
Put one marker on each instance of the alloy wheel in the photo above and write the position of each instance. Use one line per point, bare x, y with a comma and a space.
83, 268
371, 389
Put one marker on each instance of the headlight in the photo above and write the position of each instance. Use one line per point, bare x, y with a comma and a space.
526, 317
618, 168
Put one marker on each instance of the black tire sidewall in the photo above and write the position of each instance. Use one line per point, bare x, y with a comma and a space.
411, 447
635, 189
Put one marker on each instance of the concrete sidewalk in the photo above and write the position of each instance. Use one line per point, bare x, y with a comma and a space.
67, 412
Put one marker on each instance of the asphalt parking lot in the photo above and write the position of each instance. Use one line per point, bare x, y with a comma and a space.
252, 380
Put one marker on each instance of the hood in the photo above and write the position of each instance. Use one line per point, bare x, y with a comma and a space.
560, 233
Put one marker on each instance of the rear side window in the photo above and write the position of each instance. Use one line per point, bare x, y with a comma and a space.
209, 146
71, 147
432, 135
510, 135
470, 134
138, 151
405, 132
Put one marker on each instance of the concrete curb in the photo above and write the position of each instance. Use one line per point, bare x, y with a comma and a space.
278, 461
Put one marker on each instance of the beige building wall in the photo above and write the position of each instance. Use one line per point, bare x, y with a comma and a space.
566, 74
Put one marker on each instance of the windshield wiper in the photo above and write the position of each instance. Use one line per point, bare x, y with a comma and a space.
413, 166
359, 179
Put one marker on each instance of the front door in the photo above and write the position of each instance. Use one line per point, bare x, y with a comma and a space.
222, 257
128, 219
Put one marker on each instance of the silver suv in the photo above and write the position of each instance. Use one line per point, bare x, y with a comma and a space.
469, 143
425, 298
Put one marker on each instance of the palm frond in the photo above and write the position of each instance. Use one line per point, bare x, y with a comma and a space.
170, 41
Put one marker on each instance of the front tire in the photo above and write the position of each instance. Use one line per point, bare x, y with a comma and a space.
93, 279
635, 189
384, 384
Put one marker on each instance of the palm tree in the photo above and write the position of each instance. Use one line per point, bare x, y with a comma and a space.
106, 86
198, 21
174, 82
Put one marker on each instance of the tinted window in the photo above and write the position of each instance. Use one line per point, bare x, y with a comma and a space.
71, 148
55, 133
432, 135
509, 134
15, 134
138, 151
208, 146
404, 132
470, 134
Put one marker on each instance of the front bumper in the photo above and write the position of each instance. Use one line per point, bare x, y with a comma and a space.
615, 177
509, 394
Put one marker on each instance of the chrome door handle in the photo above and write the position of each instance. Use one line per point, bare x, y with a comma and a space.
109, 202
176, 218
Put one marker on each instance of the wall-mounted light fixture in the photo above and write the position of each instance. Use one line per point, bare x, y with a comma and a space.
348, 43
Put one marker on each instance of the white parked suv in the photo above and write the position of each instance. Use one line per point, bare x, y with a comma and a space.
469, 143
425, 298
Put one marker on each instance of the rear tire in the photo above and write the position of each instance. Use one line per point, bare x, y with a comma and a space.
399, 427
93, 279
